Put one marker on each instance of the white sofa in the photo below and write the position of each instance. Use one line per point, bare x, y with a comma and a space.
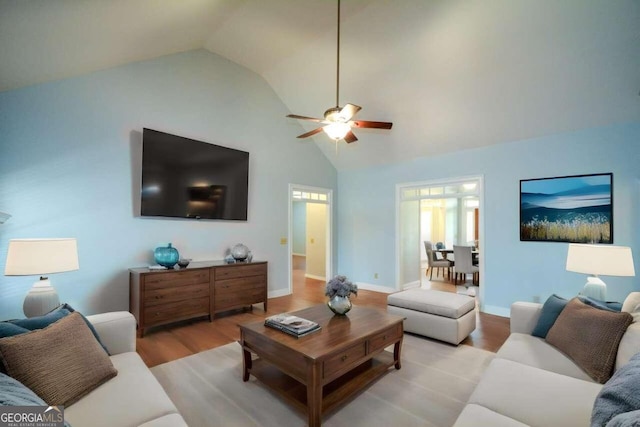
134, 397
531, 383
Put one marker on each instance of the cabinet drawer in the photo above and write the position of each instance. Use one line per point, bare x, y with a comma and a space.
226, 301
235, 270
344, 360
384, 339
245, 284
175, 293
179, 278
175, 311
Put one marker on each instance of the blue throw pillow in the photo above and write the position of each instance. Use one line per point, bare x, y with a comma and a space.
8, 329
20, 326
14, 393
551, 309
626, 419
602, 305
41, 322
619, 395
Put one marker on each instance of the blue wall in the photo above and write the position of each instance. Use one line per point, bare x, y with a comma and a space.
514, 270
70, 167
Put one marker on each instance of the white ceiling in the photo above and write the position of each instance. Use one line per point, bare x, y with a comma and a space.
450, 74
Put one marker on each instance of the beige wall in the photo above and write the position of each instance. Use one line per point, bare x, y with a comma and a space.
316, 240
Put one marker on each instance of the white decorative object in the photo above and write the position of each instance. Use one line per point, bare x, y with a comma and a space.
239, 252
27, 257
605, 260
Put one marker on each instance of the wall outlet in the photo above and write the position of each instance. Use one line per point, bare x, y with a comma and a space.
375, 275
312, 240
283, 240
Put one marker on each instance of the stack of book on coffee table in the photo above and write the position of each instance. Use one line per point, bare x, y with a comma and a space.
292, 325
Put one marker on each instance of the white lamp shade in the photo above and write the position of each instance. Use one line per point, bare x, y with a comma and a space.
27, 257
604, 260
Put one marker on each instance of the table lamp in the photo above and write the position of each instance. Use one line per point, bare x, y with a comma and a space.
605, 260
27, 257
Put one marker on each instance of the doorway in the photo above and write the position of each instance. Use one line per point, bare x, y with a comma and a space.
444, 212
310, 242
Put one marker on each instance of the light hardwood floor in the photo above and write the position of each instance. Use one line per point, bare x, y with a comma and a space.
166, 343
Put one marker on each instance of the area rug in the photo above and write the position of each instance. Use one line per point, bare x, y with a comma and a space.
431, 389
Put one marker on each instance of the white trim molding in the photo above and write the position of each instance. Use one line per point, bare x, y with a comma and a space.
439, 182
329, 230
411, 285
278, 293
376, 288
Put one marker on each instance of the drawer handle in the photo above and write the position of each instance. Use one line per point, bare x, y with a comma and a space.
158, 297
343, 358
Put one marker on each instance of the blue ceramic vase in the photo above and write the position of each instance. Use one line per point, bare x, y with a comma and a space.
166, 256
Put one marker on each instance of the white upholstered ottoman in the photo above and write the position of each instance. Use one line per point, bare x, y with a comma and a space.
444, 316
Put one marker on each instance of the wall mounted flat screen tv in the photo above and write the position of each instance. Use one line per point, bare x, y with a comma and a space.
185, 178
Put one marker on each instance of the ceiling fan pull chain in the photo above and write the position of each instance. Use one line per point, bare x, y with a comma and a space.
338, 61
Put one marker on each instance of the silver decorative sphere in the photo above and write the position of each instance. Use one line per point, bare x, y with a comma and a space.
239, 252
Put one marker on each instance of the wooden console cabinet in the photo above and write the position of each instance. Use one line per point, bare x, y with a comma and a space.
158, 297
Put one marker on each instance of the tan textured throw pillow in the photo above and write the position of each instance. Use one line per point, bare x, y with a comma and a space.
590, 337
60, 363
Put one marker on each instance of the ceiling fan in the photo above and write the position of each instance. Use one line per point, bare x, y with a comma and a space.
339, 121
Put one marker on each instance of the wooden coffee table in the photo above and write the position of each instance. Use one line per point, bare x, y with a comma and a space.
320, 371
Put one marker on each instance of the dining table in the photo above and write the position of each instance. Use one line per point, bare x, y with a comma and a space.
475, 253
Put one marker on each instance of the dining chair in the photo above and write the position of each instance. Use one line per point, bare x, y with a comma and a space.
433, 262
464, 265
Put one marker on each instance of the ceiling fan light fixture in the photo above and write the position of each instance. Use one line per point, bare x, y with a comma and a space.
336, 130
333, 115
338, 120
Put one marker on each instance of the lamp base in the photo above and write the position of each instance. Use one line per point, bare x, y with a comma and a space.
41, 299
595, 288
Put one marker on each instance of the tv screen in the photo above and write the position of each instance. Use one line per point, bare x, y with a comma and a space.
185, 178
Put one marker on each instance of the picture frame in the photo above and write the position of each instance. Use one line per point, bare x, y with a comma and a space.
570, 209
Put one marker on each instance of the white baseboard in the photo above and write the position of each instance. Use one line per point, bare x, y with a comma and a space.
302, 255
278, 293
498, 311
412, 285
313, 276
375, 288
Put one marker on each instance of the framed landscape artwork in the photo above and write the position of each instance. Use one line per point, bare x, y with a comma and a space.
574, 209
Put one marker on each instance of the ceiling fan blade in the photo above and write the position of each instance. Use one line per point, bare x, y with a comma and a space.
370, 124
348, 111
295, 116
350, 137
310, 133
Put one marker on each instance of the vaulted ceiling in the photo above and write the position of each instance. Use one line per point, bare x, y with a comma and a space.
450, 74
